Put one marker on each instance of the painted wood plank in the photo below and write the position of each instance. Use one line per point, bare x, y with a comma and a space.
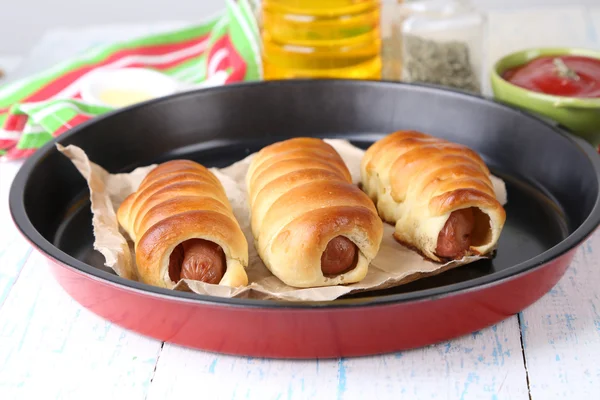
484, 365
62, 43
561, 332
534, 27
516, 29
432, 371
512, 4
7, 65
14, 249
183, 372
50, 347
594, 27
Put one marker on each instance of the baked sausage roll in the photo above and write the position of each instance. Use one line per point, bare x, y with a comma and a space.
312, 227
183, 227
438, 194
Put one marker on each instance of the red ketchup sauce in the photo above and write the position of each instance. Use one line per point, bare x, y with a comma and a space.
569, 76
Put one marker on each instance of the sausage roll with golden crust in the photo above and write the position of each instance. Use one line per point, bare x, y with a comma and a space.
438, 194
183, 227
312, 226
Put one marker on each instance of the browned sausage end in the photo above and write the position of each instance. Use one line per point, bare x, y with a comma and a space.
455, 238
340, 256
199, 260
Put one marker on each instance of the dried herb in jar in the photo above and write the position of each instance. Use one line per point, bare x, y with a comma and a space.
439, 63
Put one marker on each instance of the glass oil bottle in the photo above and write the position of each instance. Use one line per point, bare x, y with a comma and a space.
321, 39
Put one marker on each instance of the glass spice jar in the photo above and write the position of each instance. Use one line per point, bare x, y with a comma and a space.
443, 44
393, 15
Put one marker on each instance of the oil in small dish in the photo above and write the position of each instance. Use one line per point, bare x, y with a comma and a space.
123, 97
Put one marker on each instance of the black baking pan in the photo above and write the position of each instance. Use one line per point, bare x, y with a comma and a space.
552, 182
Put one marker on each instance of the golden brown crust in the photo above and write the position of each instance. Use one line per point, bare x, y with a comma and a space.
418, 180
299, 148
462, 198
301, 197
177, 201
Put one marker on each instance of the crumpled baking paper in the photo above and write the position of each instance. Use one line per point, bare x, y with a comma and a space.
393, 266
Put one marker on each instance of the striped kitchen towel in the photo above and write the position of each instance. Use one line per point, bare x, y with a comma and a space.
36, 109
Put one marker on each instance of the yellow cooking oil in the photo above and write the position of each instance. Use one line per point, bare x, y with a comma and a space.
321, 39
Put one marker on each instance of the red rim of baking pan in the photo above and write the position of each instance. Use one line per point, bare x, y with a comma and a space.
304, 320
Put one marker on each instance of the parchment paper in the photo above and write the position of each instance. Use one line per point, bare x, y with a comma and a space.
393, 266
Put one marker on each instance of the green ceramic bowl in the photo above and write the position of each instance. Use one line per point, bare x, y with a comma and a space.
580, 116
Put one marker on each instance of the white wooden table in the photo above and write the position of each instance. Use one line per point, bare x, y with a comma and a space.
51, 347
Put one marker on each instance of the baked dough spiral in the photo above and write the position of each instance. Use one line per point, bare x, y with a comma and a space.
437, 193
312, 226
183, 226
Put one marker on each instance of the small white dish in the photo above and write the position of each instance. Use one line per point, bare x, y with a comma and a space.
127, 86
